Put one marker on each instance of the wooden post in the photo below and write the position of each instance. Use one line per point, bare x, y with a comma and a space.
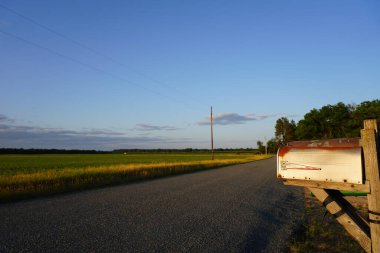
329, 185
212, 135
345, 214
369, 143
266, 145
370, 124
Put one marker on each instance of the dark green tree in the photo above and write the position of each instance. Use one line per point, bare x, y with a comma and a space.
285, 131
261, 147
366, 110
337, 121
272, 146
309, 127
331, 121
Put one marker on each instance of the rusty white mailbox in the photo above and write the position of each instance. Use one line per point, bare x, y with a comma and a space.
337, 160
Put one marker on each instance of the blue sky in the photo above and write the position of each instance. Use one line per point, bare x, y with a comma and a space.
143, 74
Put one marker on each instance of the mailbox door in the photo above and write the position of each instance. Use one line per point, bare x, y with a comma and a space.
319, 163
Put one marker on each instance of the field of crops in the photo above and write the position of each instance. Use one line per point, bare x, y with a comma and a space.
23, 176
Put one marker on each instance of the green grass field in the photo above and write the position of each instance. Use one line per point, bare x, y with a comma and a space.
24, 176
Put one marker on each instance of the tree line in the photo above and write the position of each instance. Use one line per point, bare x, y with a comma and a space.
35, 151
329, 122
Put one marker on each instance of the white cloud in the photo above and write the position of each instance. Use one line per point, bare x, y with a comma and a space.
20, 136
230, 118
5, 119
147, 127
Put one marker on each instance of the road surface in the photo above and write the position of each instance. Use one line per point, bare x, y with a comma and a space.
241, 208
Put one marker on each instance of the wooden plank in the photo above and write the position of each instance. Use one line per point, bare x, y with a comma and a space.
329, 185
345, 214
370, 124
369, 139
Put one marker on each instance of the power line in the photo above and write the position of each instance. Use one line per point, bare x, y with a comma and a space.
55, 32
93, 68
82, 45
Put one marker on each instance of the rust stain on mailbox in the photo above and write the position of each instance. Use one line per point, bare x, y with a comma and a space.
336, 160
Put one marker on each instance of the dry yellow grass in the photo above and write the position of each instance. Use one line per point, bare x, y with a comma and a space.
53, 181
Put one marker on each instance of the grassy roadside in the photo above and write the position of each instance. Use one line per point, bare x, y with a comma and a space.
45, 177
322, 233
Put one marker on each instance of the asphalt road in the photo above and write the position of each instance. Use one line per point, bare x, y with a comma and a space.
241, 208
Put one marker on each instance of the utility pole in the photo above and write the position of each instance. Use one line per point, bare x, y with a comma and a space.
212, 136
